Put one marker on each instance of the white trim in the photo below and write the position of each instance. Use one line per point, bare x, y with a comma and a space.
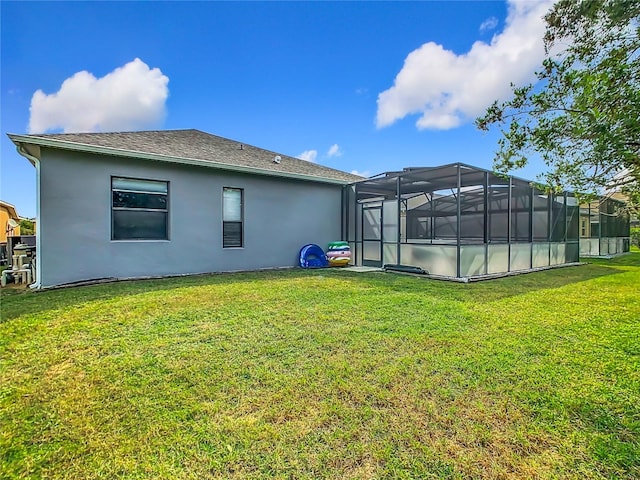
83, 147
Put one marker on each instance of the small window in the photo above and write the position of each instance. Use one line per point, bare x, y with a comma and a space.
232, 217
139, 209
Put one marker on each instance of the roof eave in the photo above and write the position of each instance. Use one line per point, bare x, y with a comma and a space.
19, 140
11, 209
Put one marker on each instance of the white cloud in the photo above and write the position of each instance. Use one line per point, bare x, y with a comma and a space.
129, 98
365, 173
334, 151
448, 89
308, 155
489, 24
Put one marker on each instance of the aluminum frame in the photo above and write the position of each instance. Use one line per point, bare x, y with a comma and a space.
461, 206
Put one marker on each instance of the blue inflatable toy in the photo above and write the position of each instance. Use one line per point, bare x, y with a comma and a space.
312, 256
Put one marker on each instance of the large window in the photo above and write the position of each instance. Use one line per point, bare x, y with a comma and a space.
139, 209
232, 217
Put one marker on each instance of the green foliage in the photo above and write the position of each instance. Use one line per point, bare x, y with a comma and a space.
583, 117
26, 227
325, 374
635, 236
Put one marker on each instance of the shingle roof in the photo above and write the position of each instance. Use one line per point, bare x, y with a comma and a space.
177, 145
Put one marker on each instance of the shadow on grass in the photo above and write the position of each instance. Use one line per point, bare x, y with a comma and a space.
627, 260
17, 302
496, 289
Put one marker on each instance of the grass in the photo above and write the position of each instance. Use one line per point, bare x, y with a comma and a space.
326, 374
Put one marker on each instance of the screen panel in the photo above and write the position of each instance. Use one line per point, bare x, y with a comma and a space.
436, 259
498, 203
371, 223
358, 253
558, 218
472, 206
520, 256
557, 254
389, 253
358, 226
572, 252
390, 219
497, 258
472, 260
540, 216
371, 251
540, 255
585, 247
520, 211
573, 218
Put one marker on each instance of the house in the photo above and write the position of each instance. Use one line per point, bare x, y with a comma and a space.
634, 221
9, 229
9, 221
154, 203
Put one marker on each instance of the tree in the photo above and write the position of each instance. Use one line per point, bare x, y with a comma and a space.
26, 227
635, 236
582, 117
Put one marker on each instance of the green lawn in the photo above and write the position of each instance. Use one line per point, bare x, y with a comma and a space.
326, 374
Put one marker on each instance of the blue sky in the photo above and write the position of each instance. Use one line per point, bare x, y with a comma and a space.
365, 86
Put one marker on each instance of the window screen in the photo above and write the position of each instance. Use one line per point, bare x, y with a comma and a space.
139, 209
232, 217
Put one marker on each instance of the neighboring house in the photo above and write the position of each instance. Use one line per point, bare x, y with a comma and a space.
9, 229
138, 204
9, 221
634, 221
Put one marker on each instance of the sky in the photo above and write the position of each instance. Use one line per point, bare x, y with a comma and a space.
364, 87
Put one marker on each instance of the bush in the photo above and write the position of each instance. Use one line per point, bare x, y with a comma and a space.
26, 227
635, 236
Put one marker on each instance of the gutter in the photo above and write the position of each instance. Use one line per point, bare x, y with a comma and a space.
36, 163
83, 147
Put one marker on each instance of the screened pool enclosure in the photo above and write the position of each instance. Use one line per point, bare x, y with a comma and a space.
604, 228
459, 221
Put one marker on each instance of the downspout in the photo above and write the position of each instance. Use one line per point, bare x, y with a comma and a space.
36, 163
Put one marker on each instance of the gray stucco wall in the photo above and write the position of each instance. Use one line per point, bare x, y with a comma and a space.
280, 216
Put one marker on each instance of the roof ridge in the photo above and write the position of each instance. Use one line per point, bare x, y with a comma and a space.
117, 132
